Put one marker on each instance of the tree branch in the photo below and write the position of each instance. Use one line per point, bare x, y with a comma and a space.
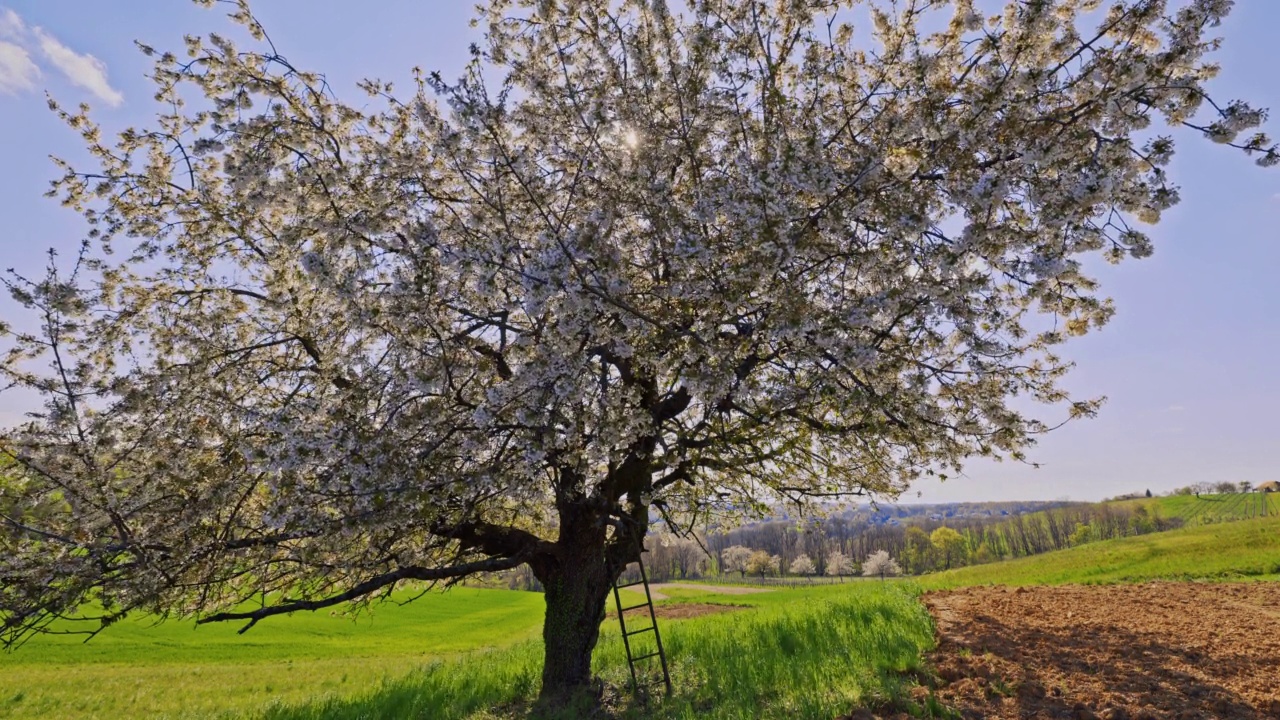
369, 586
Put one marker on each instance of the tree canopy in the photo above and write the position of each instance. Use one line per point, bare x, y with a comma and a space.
949, 543
641, 260
879, 564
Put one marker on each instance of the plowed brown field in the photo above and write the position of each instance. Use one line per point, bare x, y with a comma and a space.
1156, 650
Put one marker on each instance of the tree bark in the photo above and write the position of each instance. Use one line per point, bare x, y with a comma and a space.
576, 583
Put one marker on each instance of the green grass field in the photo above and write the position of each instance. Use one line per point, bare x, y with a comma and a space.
853, 642
811, 652
1246, 549
140, 669
806, 653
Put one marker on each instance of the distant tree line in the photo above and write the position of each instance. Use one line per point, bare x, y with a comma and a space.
924, 544
840, 546
1214, 488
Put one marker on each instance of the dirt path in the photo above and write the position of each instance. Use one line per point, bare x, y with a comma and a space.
677, 611
1124, 652
722, 589
655, 590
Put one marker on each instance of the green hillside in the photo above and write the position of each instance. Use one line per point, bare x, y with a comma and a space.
1210, 508
138, 668
1213, 551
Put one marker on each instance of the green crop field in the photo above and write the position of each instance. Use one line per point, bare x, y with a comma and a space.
1212, 508
1246, 549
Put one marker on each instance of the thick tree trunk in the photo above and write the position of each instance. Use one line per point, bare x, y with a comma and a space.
576, 584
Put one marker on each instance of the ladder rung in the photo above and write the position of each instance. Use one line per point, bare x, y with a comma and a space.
635, 607
651, 628
645, 657
630, 584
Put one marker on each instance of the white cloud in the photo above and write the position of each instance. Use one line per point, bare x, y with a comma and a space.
1175, 408
84, 71
11, 26
17, 72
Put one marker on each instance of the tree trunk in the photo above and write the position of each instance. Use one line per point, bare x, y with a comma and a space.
575, 585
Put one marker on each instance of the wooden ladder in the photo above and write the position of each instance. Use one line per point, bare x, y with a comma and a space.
632, 659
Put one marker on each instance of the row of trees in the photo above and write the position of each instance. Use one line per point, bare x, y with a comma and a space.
1225, 487
735, 559
669, 557
1061, 528
925, 544
745, 561
837, 548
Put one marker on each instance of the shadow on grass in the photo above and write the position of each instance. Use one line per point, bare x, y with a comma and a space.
815, 658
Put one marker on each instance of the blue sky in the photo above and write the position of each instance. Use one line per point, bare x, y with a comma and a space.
1191, 363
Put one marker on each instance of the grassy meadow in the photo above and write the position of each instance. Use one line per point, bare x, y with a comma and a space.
812, 652
807, 652
141, 669
1241, 550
